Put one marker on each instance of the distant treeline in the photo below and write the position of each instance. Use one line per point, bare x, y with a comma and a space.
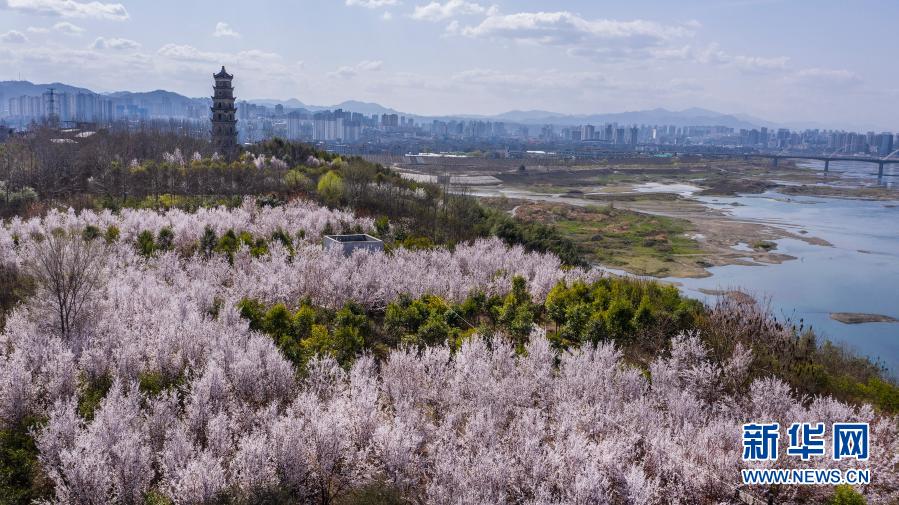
160, 169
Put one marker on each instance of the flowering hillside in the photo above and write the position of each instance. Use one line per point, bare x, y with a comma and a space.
131, 368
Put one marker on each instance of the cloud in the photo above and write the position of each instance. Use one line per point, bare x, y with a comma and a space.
538, 81
565, 28
222, 29
387, 16
189, 53
344, 72
826, 78
251, 59
68, 28
70, 8
63, 27
714, 56
372, 4
51, 56
436, 11
551, 87
263, 72
347, 72
114, 44
370, 65
13, 37
758, 64
608, 39
752, 64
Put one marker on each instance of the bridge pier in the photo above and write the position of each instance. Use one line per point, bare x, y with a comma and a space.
826, 165
774, 161
880, 170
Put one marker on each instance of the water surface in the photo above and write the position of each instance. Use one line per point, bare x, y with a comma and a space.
859, 273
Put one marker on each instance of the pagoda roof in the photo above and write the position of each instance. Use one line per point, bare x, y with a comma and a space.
223, 74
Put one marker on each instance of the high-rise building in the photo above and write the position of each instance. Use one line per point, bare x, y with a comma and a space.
224, 122
886, 144
547, 133
390, 121
588, 132
299, 126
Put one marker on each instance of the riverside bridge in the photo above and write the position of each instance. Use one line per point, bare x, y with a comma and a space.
881, 162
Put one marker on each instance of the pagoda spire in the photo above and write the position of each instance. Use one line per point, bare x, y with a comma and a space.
224, 120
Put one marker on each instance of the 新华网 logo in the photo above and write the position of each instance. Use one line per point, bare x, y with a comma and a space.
806, 441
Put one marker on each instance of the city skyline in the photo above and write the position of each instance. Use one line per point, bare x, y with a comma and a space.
568, 57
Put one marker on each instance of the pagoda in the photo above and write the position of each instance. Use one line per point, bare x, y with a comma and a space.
224, 120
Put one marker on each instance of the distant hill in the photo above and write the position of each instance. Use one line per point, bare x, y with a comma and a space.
687, 117
292, 103
364, 107
350, 105
159, 94
521, 116
10, 89
161, 102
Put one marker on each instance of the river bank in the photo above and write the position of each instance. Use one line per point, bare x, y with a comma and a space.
835, 244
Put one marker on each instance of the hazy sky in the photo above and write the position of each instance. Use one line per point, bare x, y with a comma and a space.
830, 62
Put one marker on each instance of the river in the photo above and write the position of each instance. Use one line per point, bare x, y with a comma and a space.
858, 273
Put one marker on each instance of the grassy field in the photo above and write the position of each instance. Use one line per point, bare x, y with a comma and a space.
640, 243
649, 233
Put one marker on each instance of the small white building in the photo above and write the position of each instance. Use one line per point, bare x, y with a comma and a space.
349, 243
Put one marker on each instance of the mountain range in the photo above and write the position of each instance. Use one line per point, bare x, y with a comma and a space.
350, 105
688, 117
174, 101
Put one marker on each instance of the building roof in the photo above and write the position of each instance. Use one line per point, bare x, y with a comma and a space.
223, 74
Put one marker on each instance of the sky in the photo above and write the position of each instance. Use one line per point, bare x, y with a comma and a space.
829, 63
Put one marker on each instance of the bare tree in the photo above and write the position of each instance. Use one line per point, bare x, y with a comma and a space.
67, 270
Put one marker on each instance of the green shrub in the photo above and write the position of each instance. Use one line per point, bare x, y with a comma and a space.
208, 242
518, 313
157, 498
619, 320
372, 494
297, 181
21, 479
166, 239
90, 232
280, 235
146, 245
153, 383
382, 226
330, 187
112, 234
844, 494
91, 393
